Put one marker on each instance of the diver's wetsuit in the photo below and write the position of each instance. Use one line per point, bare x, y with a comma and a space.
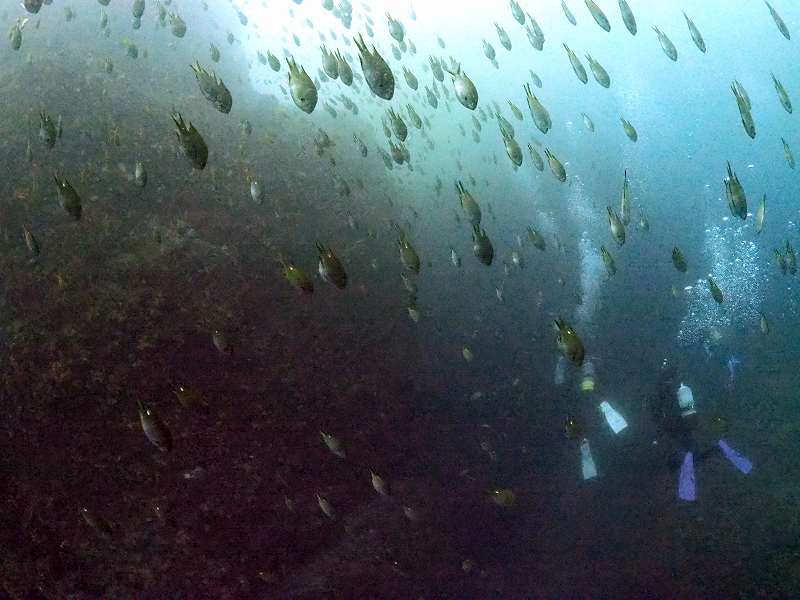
670, 425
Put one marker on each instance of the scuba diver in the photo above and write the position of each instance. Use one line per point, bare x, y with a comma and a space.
677, 422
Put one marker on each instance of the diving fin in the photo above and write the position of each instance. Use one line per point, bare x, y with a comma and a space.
740, 462
686, 485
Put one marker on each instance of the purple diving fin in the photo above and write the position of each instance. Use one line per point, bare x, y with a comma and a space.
739, 461
686, 487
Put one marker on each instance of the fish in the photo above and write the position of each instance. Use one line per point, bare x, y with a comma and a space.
140, 174
697, 37
743, 102
30, 241
763, 324
192, 143
535, 34
577, 67
539, 113
378, 484
297, 277
256, 191
326, 507
787, 152
791, 258
760, 214
131, 49
398, 125
465, 90
505, 41
15, 33
556, 166
616, 226
413, 314
568, 13
506, 128
568, 342
396, 29
436, 68
716, 293
329, 63
786, 103
536, 238
780, 259
666, 44
330, 267
154, 428
600, 74
488, 50
33, 6
302, 89
513, 150
732, 363
536, 158
734, 193
455, 259
778, 21
431, 98
377, 73
588, 122
411, 79
408, 255
517, 13
273, 62
177, 25
137, 8
627, 17
503, 497
344, 70
625, 201
414, 117
598, 15
221, 342
68, 198
630, 130
678, 260
409, 284
47, 130
100, 526
482, 246
608, 261
333, 444
362, 147
469, 204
